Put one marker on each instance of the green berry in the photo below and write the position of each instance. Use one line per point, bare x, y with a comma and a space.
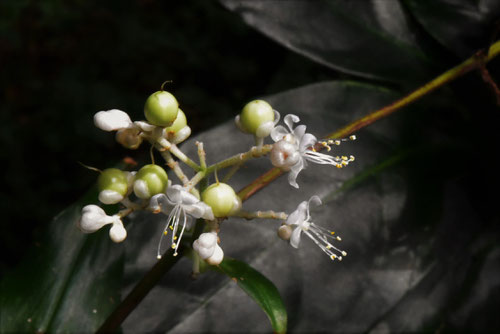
254, 114
113, 179
161, 108
150, 180
179, 123
220, 197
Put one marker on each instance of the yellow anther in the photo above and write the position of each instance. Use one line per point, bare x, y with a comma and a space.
338, 238
171, 227
175, 237
332, 233
165, 232
328, 246
353, 137
339, 166
337, 142
344, 157
173, 245
313, 149
332, 257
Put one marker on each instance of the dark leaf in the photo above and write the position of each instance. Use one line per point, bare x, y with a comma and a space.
373, 39
70, 282
463, 26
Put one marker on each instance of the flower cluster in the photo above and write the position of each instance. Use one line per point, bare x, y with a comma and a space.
149, 187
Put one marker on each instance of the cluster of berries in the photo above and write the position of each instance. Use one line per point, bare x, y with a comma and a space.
149, 188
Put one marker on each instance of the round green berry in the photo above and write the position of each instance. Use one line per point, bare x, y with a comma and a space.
220, 197
150, 180
113, 179
254, 114
161, 108
179, 123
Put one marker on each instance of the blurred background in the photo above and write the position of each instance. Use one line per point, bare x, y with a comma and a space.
62, 61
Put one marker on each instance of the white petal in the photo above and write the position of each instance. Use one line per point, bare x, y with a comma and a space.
290, 119
199, 210
295, 239
110, 197
294, 171
299, 132
314, 200
264, 129
277, 117
112, 120
278, 133
174, 194
117, 232
93, 218
145, 126
299, 215
141, 189
159, 203
208, 239
182, 135
306, 141
216, 257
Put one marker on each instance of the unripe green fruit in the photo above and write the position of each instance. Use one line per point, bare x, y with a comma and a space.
161, 108
155, 178
113, 179
254, 114
179, 123
220, 197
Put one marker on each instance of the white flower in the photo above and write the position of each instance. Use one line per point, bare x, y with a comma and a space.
178, 203
294, 147
300, 220
94, 217
208, 249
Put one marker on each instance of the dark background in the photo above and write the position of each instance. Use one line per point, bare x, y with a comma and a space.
62, 61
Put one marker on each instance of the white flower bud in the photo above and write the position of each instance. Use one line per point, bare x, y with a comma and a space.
93, 218
216, 257
205, 245
112, 120
117, 233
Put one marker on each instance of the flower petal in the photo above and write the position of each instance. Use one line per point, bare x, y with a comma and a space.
175, 194
278, 133
159, 203
306, 141
299, 131
112, 120
289, 120
299, 215
295, 239
294, 171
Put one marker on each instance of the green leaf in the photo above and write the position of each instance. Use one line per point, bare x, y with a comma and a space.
69, 282
261, 289
373, 39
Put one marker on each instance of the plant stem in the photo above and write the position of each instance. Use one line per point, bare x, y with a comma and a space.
261, 214
174, 165
254, 152
475, 62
